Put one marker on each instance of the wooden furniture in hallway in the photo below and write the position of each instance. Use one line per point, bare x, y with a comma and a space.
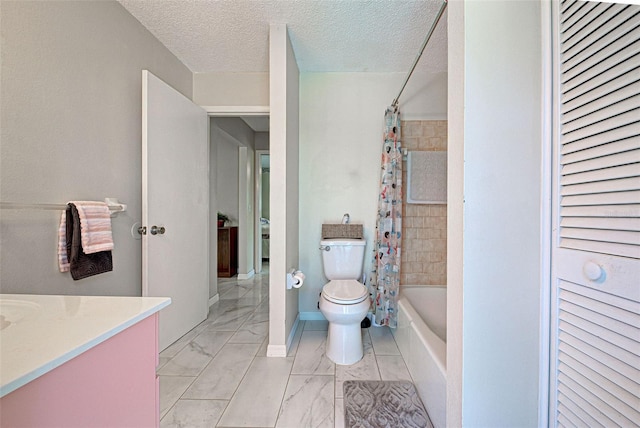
227, 251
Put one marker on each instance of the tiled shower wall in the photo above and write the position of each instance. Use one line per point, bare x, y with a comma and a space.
424, 227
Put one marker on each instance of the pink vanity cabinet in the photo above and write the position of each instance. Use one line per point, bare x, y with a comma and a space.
111, 384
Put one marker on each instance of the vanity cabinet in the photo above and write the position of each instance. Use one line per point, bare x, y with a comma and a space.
227, 251
112, 384
80, 361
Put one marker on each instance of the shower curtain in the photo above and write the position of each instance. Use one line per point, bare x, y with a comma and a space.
384, 280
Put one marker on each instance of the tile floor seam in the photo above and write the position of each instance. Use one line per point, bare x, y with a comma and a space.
283, 395
179, 398
239, 383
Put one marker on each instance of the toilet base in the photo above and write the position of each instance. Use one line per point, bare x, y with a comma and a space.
344, 343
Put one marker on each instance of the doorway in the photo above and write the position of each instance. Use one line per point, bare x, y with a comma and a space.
263, 215
235, 140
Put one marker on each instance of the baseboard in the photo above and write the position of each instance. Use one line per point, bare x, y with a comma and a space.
247, 275
280, 350
292, 333
312, 316
276, 350
214, 299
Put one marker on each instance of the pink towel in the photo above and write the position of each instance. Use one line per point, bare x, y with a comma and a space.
95, 231
63, 258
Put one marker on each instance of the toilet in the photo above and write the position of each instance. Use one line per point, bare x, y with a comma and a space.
344, 301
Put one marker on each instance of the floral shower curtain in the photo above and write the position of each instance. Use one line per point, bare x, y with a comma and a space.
384, 280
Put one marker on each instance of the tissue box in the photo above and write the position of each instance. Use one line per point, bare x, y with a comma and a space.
345, 231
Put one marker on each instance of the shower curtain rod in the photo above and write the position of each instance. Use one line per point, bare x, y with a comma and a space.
424, 45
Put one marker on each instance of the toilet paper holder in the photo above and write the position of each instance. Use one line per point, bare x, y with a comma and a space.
295, 279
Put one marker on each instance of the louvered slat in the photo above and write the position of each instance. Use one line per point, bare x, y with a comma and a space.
603, 223
615, 409
566, 4
611, 73
603, 150
575, 100
618, 121
572, 19
611, 173
582, 411
591, 27
602, 211
626, 399
627, 303
621, 44
622, 250
622, 381
629, 131
602, 114
572, 9
598, 357
600, 103
604, 389
605, 186
615, 198
568, 413
600, 162
597, 408
605, 236
619, 353
607, 315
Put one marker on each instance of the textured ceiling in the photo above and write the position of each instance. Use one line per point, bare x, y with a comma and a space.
327, 35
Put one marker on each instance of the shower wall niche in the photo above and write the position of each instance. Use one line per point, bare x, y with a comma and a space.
424, 226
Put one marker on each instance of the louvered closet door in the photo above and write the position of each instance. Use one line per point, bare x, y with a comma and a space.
595, 362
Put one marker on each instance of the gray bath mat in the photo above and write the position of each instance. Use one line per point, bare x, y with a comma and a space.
383, 404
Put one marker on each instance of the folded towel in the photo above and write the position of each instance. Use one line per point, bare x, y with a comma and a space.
95, 226
63, 258
90, 227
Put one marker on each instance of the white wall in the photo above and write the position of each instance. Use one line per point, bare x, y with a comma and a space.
341, 123
71, 130
227, 175
246, 213
284, 198
501, 213
231, 89
214, 135
262, 140
455, 211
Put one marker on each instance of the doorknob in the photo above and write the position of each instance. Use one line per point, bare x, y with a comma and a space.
155, 230
594, 271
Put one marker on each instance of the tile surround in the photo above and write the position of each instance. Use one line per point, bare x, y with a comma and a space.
211, 378
424, 227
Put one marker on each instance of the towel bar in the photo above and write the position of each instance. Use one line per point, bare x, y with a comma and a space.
114, 206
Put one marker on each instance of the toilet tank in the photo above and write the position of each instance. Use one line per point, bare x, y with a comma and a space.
342, 258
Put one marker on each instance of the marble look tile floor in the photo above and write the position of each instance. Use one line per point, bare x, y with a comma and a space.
219, 375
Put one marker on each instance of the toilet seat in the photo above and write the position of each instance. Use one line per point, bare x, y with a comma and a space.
345, 291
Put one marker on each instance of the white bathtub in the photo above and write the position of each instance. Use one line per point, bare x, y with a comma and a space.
421, 337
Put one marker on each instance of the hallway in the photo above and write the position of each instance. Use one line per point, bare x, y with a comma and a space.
218, 374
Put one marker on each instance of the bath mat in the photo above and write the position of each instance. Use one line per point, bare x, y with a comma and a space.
383, 404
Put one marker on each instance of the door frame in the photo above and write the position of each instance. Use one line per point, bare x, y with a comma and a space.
233, 111
258, 208
547, 202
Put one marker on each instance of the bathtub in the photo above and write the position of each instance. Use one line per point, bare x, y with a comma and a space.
421, 338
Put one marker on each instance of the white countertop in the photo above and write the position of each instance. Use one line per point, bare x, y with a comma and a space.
39, 333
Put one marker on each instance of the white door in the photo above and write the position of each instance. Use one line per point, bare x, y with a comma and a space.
175, 206
595, 361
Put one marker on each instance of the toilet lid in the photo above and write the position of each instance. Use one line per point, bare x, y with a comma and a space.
345, 291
